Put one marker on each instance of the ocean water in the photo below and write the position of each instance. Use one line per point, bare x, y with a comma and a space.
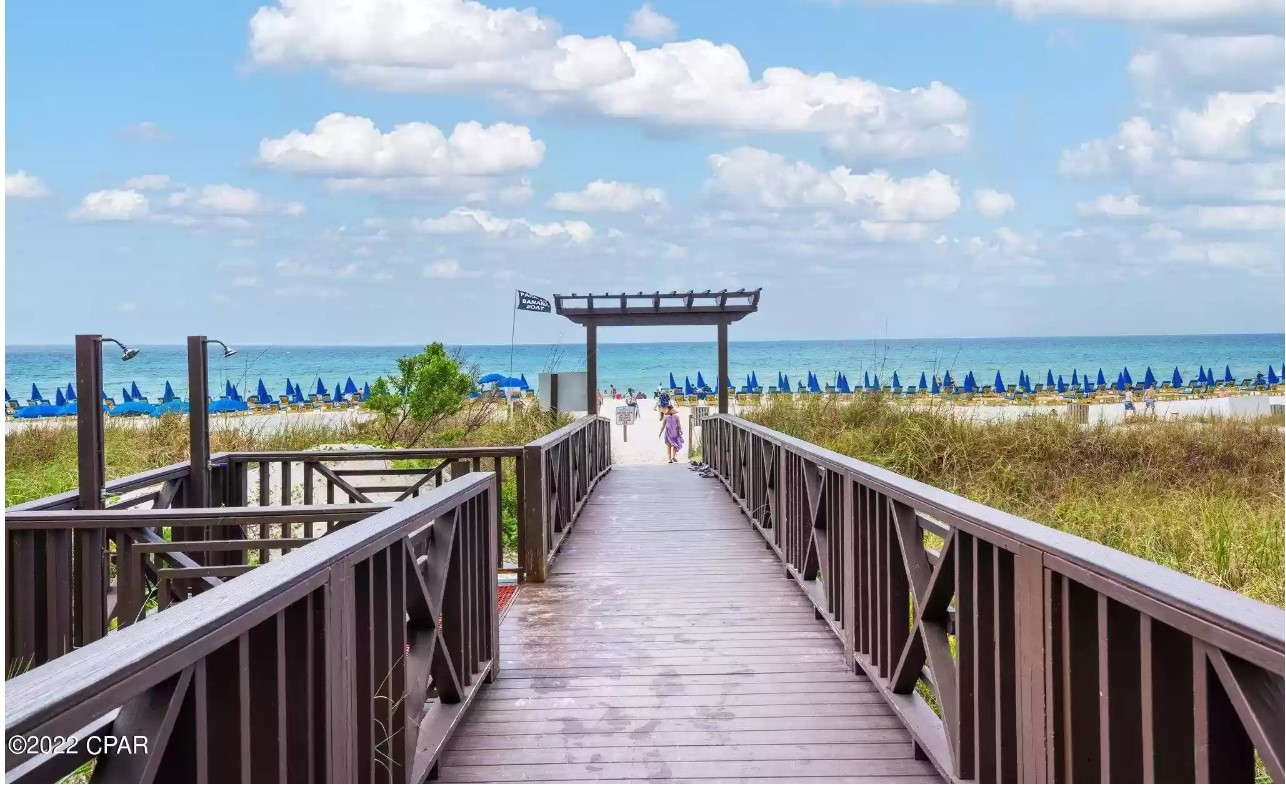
645, 366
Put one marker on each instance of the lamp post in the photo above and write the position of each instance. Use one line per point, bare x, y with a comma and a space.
89, 577
199, 417
90, 463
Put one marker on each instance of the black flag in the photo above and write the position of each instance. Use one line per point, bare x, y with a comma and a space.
530, 302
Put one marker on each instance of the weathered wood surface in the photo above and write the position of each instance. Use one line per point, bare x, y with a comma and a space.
668, 644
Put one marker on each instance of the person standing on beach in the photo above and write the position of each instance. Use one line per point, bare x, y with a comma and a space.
1129, 402
1150, 401
672, 433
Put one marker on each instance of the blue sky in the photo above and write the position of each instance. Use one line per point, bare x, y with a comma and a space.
390, 171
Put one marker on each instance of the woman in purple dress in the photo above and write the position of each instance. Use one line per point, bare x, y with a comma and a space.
672, 432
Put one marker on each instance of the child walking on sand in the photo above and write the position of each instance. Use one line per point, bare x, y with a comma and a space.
672, 433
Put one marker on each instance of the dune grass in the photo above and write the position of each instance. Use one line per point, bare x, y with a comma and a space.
41, 460
1202, 496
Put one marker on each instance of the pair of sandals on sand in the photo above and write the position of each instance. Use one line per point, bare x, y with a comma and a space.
701, 469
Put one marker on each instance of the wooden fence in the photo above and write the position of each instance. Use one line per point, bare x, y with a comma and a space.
1014, 652
350, 661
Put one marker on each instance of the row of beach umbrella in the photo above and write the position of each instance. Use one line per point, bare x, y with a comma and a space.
1079, 382
133, 402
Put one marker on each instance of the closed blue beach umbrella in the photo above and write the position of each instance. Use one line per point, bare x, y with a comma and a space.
125, 396
133, 391
71, 392
59, 399
1125, 375
896, 381
290, 388
321, 386
843, 384
168, 395
1026, 382
1000, 383
687, 386
522, 378
349, 387
785, 383
947, 381
1120, 381
1088, 388
701, 382
1102, 380
298, 397
924, 381
228, 392
7, 397
969, 384
1272, 376
1176, 380
875, 381
754, 380
1049, 378
1227, 374
366, 390
262, 393
1062, 388
1076, 382
673, 386
1148, 379
813, 386
35, 394
933, 387
1201, 375
339, 392
866, 379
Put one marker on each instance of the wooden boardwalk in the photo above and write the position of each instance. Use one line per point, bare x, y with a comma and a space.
669, 645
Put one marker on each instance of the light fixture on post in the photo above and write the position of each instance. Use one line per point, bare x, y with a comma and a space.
89, 566
199, 417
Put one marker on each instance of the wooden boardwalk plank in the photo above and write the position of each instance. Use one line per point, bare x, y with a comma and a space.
669, 645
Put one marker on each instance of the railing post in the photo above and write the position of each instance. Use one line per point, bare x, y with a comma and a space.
1034, 764
535, 540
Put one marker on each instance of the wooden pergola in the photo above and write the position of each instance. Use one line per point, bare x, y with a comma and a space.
719, 308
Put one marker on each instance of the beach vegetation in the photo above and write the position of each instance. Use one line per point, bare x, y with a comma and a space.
1203, 496
428, 388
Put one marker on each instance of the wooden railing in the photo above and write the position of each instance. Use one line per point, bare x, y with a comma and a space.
559, 472
1043, 657
349, 660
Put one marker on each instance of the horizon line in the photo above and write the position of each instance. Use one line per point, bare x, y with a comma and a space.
730, 342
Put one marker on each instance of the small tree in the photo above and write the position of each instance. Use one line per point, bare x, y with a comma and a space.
428, 388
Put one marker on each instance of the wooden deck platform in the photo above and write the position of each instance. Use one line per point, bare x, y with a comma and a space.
669, 645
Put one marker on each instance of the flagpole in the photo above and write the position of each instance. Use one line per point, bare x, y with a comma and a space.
512, 328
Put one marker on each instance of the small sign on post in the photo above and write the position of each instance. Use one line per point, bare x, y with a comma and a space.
625, 417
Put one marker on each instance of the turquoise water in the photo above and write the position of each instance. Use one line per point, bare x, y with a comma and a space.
647, 365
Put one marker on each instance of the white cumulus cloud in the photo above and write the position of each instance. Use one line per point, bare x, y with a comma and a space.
1128, 206
454, 45
751, 177
991, 203
21, 185
113, 204
648, 24
465, 220
346, 145
609, 196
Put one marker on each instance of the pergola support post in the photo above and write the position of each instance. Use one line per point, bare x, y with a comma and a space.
591, 369
722, 381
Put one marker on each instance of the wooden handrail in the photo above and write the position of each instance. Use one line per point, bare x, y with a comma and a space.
559, 472
1049, 657
294, 643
